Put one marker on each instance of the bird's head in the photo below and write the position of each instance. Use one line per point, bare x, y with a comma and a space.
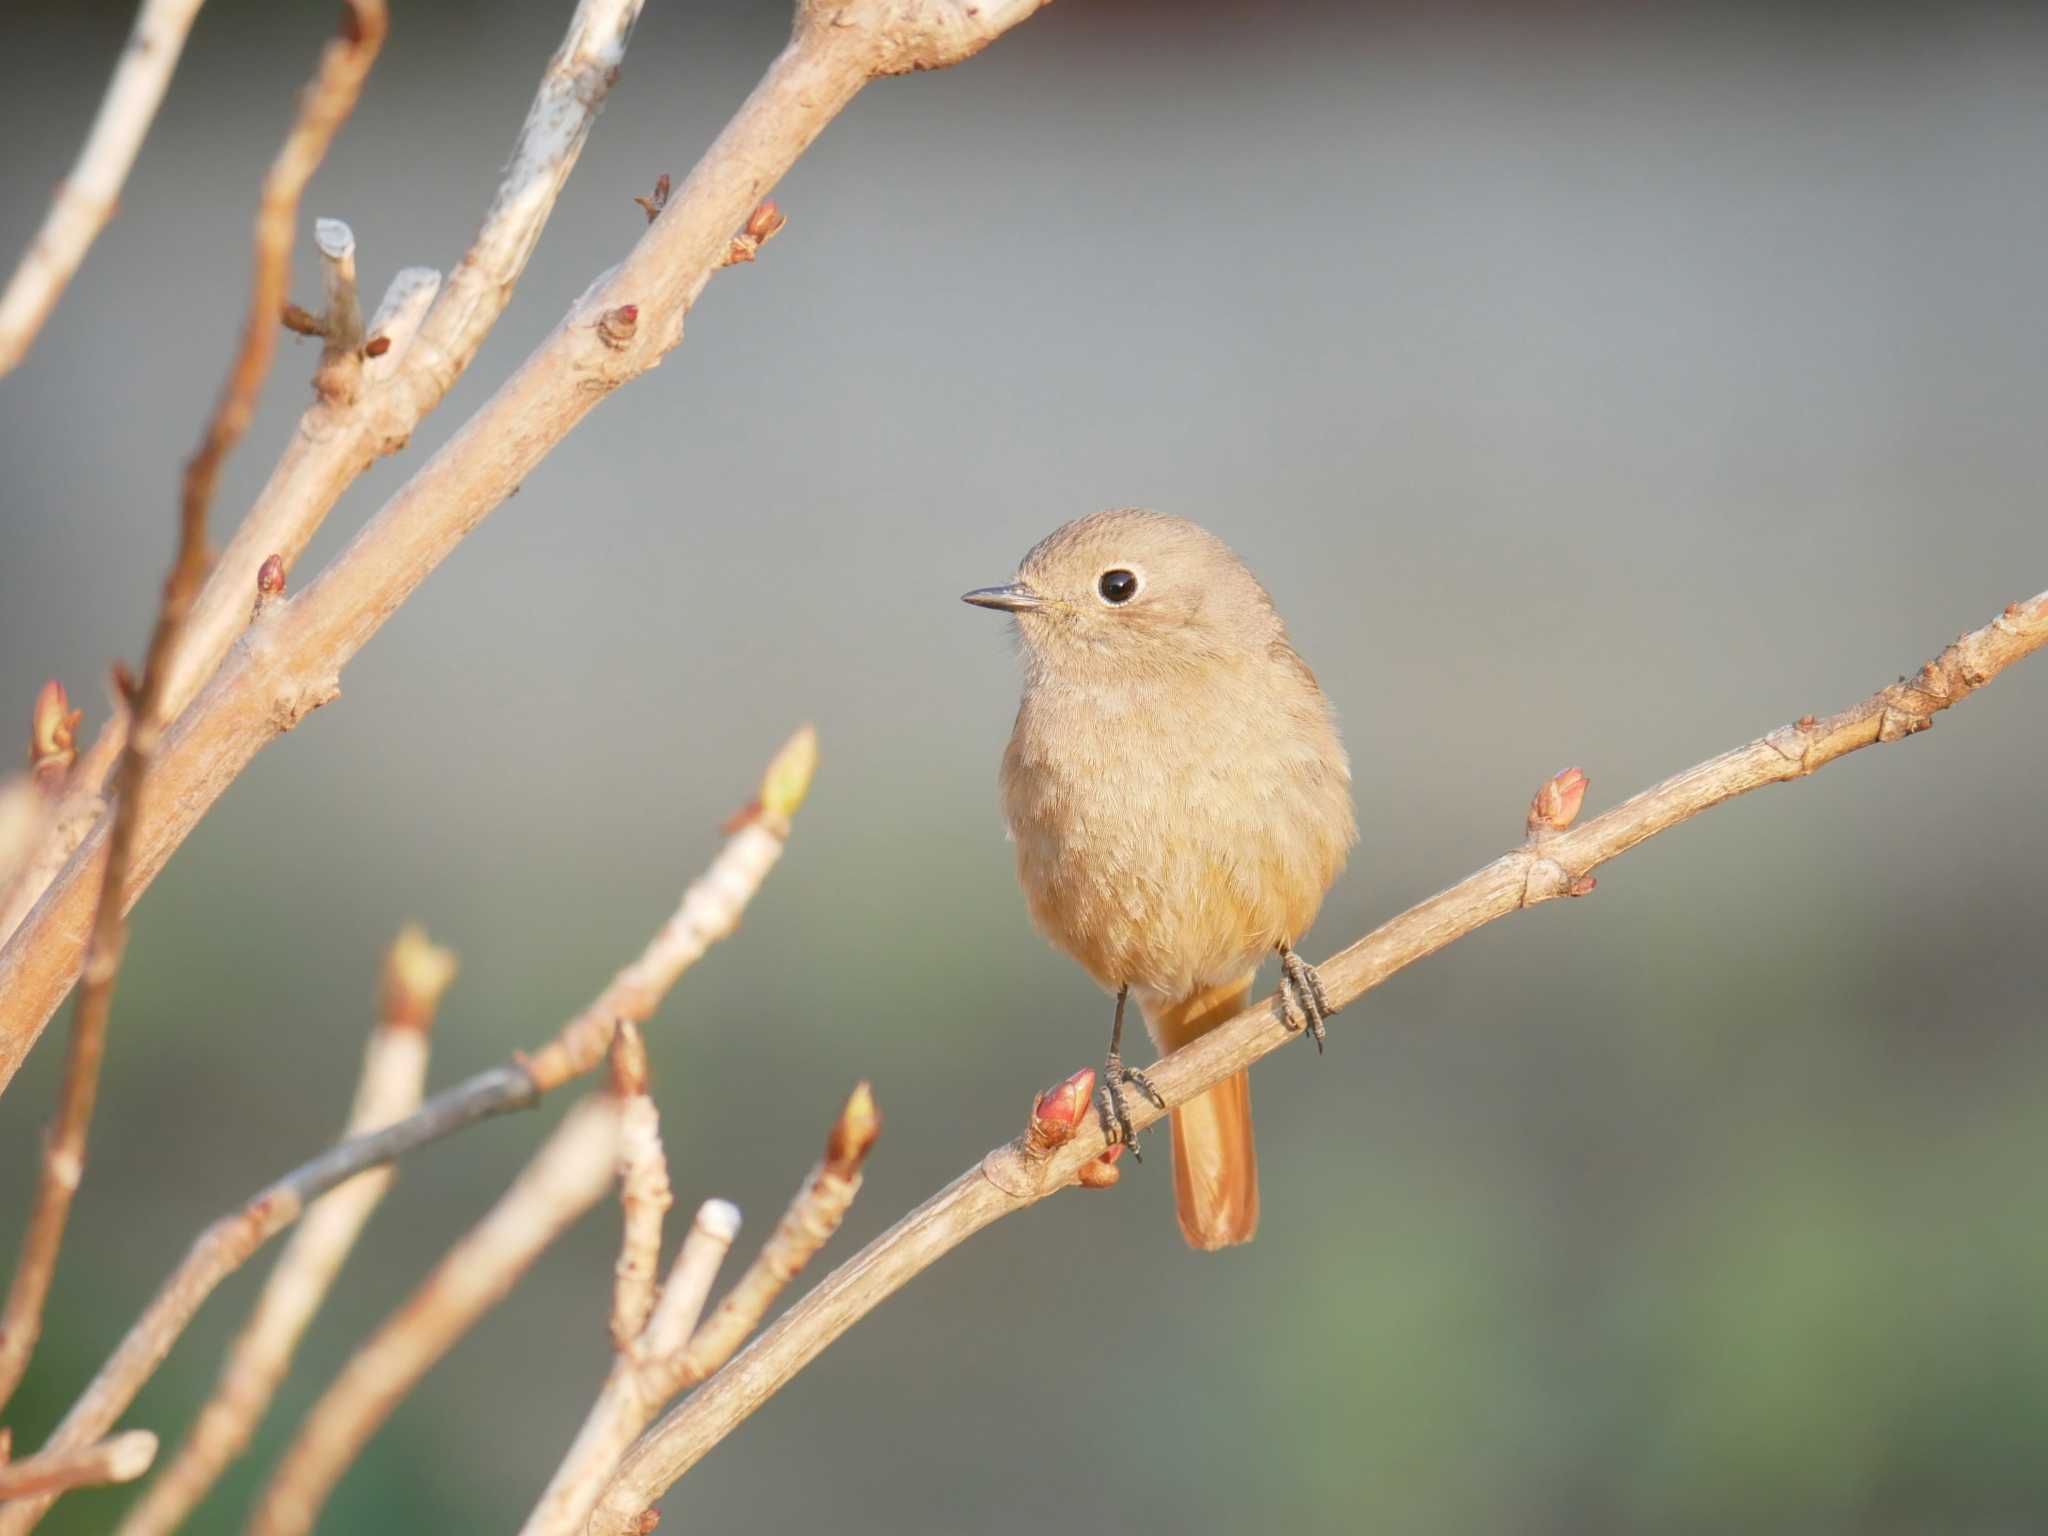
1132, 593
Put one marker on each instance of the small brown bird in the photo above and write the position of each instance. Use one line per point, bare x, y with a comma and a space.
1180, 804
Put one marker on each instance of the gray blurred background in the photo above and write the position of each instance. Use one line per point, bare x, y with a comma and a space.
1590, 384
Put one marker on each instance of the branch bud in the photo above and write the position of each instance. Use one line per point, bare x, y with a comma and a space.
53, 735
630, 1072
1556, 805
616, 327
416, 972
1101, 1172
1058, 1114
860, 1123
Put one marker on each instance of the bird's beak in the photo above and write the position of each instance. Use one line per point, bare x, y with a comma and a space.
1015, 598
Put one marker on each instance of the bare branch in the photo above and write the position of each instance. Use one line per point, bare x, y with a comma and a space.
644, 1191
341, 435
1552, 863
264, 689
416, 973
121, 1459
566, 1177
327, 102
657, 1365
710, 909
87, 198
347, 429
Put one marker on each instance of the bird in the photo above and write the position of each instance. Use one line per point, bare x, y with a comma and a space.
1180, 803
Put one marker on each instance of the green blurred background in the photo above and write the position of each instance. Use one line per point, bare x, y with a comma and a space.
1590, 384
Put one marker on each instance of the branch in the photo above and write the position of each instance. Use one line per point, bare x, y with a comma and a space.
121, 1459
357, 418
710, 910
327, 102
620, 328
566, 1177
673, 1352
416, 973
1552, 863
87, 198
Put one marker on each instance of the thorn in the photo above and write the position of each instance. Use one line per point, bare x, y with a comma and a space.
124, 684
1556, 804
853, 1137
376, 346
616, 327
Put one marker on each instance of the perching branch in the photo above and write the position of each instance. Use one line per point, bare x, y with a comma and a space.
620, 328
569, 1174
87, 198
416, 973
1553, 862
325, 106
710, 910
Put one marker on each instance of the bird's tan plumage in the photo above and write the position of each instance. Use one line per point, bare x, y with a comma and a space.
1179, 800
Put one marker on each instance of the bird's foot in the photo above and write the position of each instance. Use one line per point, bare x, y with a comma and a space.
1302, 997
1109, 1102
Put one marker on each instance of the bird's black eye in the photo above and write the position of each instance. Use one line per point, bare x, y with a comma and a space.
1118, 586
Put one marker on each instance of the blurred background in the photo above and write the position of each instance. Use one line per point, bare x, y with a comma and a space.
1590, 384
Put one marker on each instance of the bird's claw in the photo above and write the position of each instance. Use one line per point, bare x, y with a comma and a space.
1109, 1103
1302, 995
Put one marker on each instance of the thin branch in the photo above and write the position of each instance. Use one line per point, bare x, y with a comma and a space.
710, 909
341, 436
416, 973
644, 1191
652, 1368
121, 1459
1552, 863
569, 1174
264, 689
348, 429
325, 106
87, 198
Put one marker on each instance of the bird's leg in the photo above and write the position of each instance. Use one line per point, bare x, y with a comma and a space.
1301, 992
1109, 1100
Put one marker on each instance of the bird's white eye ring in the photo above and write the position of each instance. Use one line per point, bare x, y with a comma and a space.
1118, 585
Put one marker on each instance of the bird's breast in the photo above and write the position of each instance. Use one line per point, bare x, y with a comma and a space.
1167, 837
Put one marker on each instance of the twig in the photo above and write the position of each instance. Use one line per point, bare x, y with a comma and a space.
339, 437
263, 690
121, 1459
416, 973
87, 198
567, 1176
1553, 862
653, 1368
326, 104
644, 1191
710, 909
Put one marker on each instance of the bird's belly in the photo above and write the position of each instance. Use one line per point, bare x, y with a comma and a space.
1166, 905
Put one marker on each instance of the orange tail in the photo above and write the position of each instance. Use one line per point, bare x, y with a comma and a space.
1215, 1163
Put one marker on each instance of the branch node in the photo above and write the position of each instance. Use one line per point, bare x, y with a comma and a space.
616, 327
